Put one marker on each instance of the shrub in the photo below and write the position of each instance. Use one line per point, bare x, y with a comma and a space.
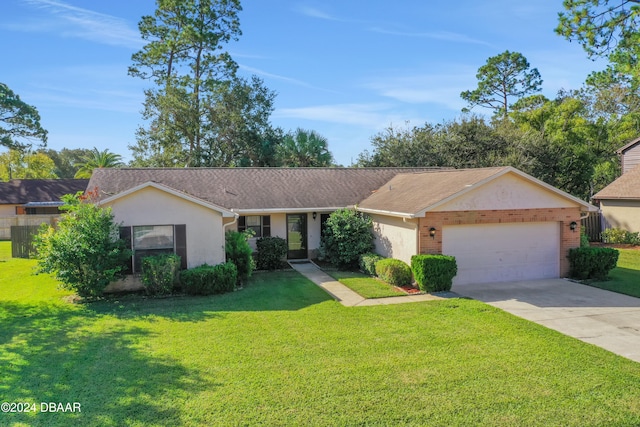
207, 279
619, 236
368, 262
347, 235
238, 251
272, 251
434, 273
84, 253
394, 271
584, 239
592, 263
160, 273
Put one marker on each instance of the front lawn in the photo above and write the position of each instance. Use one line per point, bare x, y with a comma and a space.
365, 285
282, 352
625, 278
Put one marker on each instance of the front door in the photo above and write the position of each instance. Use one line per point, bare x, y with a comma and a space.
297, 236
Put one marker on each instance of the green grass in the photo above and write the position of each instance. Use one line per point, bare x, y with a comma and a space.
281, 352
625, 278
364, 285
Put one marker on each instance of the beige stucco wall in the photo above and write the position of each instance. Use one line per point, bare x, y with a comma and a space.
150, 206
395, 238
623, 214
507, 192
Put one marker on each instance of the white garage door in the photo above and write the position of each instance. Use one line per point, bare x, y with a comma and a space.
503, 252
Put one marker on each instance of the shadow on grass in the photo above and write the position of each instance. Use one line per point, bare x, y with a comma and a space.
622, 280
58, 353
269, 291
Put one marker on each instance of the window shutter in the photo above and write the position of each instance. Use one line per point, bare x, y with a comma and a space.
125, 234
242, 223
180, 235
266, 226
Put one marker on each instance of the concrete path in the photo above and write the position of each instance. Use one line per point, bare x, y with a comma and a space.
346, 296
606, 319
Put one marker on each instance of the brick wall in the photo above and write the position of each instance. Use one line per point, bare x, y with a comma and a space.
568, 239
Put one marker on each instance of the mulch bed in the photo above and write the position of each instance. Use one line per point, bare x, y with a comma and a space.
411, 290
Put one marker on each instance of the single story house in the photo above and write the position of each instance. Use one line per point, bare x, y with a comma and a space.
620, 201
33, 201
500, 223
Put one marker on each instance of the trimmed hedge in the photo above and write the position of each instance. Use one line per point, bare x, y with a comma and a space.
367, 263
394, 272
160, 273
620, 236
434, 273
592, 263
238, 251
272, 251
207, 279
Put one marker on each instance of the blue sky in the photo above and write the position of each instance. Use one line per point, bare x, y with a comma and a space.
347, 69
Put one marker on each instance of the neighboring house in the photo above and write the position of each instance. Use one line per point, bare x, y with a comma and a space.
620, 201
33, 201
500, 223
629, 155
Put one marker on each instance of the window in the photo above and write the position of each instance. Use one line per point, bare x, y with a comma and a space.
149, 240
261, 225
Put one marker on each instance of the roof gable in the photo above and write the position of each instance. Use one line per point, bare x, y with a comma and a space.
412, 195
628, 146
169, 190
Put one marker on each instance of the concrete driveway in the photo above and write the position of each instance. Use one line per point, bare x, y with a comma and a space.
606, 319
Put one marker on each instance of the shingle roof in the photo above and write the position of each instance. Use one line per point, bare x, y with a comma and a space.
627, 186
414, 192
21, 191
256, 188
628, 146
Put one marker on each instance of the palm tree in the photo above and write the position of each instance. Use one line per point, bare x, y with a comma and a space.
98, 159
304, 149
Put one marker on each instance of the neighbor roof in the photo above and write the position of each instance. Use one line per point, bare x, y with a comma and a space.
628, 146
254, 189
21, 191
413, 194
627, 186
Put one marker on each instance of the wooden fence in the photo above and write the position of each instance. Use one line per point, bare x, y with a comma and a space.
22, 241
593, 225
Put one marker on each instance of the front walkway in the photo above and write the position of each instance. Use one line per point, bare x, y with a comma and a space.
346, 296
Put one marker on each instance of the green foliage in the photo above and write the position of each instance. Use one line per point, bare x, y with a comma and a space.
620, 236
66, 161
347, 235
238, 251
434, 273
584, 239
394, 271
19, 122
160, 273
208, 280
367, 262
97, 159
15, 164
592, 263
84, 252
503, 77
272, 252
304, 149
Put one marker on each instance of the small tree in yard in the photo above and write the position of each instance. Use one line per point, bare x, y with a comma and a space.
347, 235
84, 252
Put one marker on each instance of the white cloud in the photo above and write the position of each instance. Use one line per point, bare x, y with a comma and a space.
72, 21
316, 13
436, 35
374, 116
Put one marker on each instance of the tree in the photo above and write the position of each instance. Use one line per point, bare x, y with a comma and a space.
19, 122
502, 78
15, 164
66, 160
304, 148
97, 159
185, 60
84, 251
600, 26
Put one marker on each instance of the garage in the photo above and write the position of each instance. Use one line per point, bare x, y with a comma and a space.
503, 252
